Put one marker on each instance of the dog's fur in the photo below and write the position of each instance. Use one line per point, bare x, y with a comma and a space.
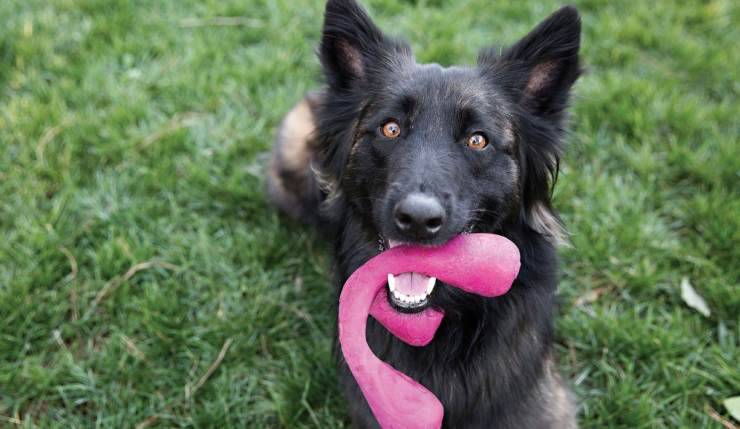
491, 362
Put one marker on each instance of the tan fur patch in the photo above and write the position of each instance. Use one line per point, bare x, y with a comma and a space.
289, 172
295, 137
558, 398
542, 220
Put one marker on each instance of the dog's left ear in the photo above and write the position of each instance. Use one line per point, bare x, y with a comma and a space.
540, 69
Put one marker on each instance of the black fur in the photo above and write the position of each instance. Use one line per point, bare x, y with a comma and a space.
487, 363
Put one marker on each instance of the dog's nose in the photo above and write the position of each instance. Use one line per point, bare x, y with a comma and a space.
419, 216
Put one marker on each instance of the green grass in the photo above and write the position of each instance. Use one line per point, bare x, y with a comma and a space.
137, 241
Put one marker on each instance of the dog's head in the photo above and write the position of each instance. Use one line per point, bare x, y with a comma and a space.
421, 153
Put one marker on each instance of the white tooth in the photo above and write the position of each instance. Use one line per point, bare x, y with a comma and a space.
430, 285
391, 282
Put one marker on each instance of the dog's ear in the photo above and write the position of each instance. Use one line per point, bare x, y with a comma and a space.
540, 69
353, 47
538, 72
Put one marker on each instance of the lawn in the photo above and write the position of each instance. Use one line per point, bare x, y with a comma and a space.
146, 282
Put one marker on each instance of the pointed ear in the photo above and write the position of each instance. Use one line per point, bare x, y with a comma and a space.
541, 68
352, 46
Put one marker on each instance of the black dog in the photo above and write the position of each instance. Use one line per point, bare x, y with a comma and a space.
392, 151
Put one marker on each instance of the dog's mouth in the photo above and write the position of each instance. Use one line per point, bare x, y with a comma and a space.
409, 292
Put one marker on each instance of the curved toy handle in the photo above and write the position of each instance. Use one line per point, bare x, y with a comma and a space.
484, 264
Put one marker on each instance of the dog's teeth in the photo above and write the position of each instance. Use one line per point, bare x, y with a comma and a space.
430, 285
409, 300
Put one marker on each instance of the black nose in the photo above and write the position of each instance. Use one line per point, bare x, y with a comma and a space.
419, 216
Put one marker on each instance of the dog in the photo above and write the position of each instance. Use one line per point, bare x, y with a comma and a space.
394, 152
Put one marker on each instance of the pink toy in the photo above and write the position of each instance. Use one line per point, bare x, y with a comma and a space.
484, 264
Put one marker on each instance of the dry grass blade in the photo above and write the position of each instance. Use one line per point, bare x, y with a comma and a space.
191, 389
132, 348
70, 278
711, 412
116, 282
48, 137
177, 122
11, 420
147, 422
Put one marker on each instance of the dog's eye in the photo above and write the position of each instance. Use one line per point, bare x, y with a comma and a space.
391, 129
477, 141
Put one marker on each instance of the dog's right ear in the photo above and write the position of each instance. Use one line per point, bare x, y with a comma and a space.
353, 47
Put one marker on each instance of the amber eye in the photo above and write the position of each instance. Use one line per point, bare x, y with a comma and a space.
391, 129
477, 141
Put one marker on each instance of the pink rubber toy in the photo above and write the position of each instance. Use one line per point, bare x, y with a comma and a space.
484, 264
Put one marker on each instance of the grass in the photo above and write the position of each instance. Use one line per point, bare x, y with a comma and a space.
144, 280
